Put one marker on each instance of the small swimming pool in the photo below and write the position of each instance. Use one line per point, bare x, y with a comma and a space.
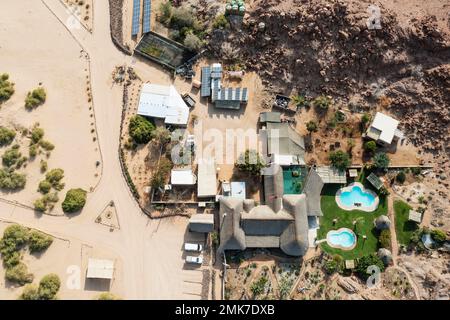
293, 178
343, 238
356, 197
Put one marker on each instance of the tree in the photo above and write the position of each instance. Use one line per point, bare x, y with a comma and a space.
381, 160
39, 241
384, 239
6, 88
107, 296
49, 287
366, 261
6, 136
401, 177
159, 177
182, 18
221, 22
192, 42
35, 98
339, 159
438, 235
165, 12
11, 181
350, 145
54, 177
40, 205
322, 103
19, 274
365, 119
299, 100
30, 292
11, 156
74, 201
311, 126
140, 129
161, 135
44, 187
370, 146
37, 134
250, 161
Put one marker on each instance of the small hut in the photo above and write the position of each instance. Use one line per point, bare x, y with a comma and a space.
382, 223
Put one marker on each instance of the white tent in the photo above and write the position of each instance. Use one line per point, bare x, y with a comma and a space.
182, 177
100, 269
164, 102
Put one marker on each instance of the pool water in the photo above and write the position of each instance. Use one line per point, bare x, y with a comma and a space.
357, 195
293, 178
343, 238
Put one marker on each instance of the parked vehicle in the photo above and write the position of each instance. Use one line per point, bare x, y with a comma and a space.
196, 260
189, 100
193, 247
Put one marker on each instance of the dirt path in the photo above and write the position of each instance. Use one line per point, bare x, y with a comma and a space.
391, 214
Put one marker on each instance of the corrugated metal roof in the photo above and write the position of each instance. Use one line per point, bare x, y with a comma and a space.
329, 174
375, 181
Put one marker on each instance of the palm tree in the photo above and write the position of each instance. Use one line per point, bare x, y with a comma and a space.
299, 100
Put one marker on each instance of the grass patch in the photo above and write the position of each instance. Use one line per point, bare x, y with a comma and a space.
364, 225
403, 227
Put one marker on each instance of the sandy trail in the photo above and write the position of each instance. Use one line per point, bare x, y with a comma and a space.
150, 251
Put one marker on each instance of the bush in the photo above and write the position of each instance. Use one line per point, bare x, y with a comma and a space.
159, 177
322, 103
140, 129
311, 126
339, 159
381, 160
182, 17
221, 22
40, 205
74, 201
6, 88
37, 134
46, 145
401, 177
365, 118
35, 98
39, 241
44, 187
6, 136
438, 235
370, 146
107, 296
192, 42
44, 165
165, 13
30, 292
33, 150
258, 286
11, 156
250, 161
19, 274
54, 177
49, 287
11, 181
384, 239
366, 261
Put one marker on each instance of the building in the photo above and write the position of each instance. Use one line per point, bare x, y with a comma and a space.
202, 223
183, 177
207, 179
100, 269
163, 102
282, 222
384, 130
226, 98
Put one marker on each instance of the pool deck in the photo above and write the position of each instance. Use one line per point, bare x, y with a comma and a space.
338, 246
348, 188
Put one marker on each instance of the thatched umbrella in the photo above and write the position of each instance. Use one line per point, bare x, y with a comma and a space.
382, 222
385, 255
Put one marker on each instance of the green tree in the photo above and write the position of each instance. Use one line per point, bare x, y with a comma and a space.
299, 100
39, 241
11, 156
322, 103
35, 98
339, 159
49, 287
44, 187
221, 22
165, 13
6, 136
140, 129
381, 160
250, 161
161, 136
192, 42
74, 201
30, 292
366, 261
6, 88
311, 126
40, 205
11, 181
55, 176
37, 134
365, 119
438, 235
370, 146
384, 239
401, 177
19, 274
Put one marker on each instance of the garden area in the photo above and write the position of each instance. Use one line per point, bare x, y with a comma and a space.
404, 228
361, 222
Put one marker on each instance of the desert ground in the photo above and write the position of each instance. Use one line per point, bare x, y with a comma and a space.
149, 252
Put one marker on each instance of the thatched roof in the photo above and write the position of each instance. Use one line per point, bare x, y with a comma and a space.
382, 222
294, 240
273, 187
385, 255
232, 237
313, 188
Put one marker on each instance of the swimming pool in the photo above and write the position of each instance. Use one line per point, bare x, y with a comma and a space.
356, 197
342, 238
293, 178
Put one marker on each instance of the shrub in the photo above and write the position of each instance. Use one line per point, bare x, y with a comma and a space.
40, 205
384, 239
74, 201
6, 136
381, 160
19, 274
322, 103
365, 118
250, 161
165, 12
44, 187
39, 241
33, 150
54, 176
221, 22
311, 126
438, 235
11, 156
401, 177
330, 266
107, 296
11, 181
6, 88
35, 98
182, 17
370, 146
49, 287
37, 134
140, 129
192, 42
46, 145
258, 286
339, 159
366, 261
161, 173
15, 235
44, 165
30, 292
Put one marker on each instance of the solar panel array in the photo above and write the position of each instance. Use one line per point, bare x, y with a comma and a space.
136, 16
147, 12
206, 82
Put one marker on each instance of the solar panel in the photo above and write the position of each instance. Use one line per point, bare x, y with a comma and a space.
244, 94
136, 14
147, 12
206, 82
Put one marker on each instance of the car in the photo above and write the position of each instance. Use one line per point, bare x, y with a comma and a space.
188, 100
196, 260
193, 247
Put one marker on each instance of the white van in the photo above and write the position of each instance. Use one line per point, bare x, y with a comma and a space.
197, 260
193, 247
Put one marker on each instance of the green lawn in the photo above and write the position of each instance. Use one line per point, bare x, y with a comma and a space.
403, 227
345, 219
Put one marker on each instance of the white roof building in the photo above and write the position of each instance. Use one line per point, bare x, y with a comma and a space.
207, 179
163, 102
100, 269
182, 177
384, 128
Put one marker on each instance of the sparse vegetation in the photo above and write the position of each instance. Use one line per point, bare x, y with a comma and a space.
160, 176
6, 88
35, 98
6, 136
74, 201
257, 287
107, 296
140, 129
